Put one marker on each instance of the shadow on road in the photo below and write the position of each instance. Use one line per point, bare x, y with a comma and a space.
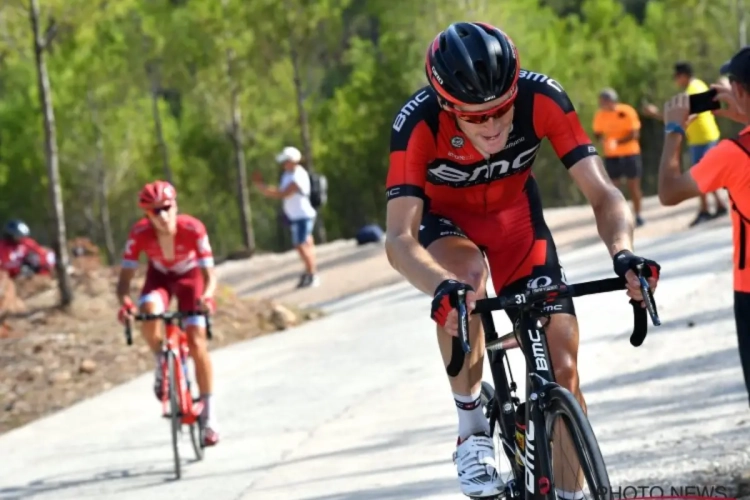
58, 483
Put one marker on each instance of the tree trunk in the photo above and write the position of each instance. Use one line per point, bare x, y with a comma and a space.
304, 125
53, 171
154, 86
243, 196
102, 190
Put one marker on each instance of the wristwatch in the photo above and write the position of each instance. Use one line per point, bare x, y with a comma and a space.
672, 127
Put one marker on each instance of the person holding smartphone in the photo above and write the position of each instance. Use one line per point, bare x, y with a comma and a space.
727, 165
702, 134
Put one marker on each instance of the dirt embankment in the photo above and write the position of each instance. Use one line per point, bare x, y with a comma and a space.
50, 359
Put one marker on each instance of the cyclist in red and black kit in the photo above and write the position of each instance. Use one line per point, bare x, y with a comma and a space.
460, 188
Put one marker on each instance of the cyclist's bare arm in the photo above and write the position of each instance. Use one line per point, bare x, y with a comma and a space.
123, 284
614, 220
209, 278
402, 247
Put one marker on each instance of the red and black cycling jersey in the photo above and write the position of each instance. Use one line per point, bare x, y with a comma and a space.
431, 158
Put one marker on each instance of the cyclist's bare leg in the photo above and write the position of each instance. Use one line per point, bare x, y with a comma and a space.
562, 337
152, 330
462, 257
199, 352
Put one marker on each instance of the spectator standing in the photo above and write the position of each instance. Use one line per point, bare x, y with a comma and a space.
727, 165
618, 127
294, 188
702, 134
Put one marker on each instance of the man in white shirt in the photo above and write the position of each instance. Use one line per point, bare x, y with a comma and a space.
294, 189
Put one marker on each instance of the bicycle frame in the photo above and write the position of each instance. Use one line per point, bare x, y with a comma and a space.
529, 335
175, 341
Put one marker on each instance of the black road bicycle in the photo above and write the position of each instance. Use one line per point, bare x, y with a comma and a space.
546, 401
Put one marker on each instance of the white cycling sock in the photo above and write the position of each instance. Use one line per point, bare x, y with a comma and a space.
210, 411
471, 419
569, 495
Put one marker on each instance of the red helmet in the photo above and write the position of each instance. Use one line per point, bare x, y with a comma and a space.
156, 193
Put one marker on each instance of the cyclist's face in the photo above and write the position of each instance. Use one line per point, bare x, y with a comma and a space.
491, 135
164, 218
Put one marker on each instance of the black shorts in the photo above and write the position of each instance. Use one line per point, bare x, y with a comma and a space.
629, 167
518, 244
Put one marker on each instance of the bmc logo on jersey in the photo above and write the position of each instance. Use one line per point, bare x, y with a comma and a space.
538, 77
446, 175
408, 109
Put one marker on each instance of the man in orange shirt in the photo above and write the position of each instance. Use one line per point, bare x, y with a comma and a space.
617, 125
727, 165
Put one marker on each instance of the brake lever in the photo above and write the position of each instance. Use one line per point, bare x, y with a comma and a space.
463, 322
648, 298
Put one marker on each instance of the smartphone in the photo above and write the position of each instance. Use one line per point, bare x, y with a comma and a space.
704, 102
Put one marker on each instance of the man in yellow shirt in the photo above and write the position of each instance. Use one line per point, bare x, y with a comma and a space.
617, 127
702, 134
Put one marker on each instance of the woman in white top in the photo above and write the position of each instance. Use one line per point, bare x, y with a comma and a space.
294, 189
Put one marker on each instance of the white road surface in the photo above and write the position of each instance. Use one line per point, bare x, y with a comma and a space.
357, 406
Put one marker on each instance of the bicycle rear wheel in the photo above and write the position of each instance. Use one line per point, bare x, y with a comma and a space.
175, 412
564, 408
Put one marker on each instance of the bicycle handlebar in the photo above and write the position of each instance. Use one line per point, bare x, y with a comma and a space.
167, 317
530, 298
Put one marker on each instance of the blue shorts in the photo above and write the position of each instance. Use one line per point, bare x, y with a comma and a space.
301, 230
698, 150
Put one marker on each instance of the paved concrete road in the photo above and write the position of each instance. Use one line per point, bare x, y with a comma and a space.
356, 405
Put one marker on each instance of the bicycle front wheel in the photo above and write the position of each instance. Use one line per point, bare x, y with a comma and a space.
567, 425
175, 412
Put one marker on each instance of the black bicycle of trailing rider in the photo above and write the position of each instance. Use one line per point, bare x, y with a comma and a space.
530, 455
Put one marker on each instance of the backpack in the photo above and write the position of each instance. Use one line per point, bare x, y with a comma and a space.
743, 141
318, 189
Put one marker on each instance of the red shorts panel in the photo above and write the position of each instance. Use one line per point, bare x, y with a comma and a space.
186, 287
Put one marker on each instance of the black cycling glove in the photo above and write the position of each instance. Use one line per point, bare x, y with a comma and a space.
446, 299
625, 261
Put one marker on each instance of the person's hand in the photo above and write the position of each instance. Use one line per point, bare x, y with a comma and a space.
677, 110
127, 310
732, 111
207, 304
625, 266
650, 109
258, 179
445, 302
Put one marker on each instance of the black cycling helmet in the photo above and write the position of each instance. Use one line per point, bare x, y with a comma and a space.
16, 229
472, 63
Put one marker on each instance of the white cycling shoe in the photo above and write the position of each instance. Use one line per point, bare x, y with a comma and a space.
477, 467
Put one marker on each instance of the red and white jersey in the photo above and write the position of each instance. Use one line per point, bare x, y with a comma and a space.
191, 246
12, 255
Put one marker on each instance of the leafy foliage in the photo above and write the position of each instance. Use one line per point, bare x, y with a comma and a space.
359, 60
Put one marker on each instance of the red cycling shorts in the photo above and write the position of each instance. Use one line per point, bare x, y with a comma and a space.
518, 244
160, 287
